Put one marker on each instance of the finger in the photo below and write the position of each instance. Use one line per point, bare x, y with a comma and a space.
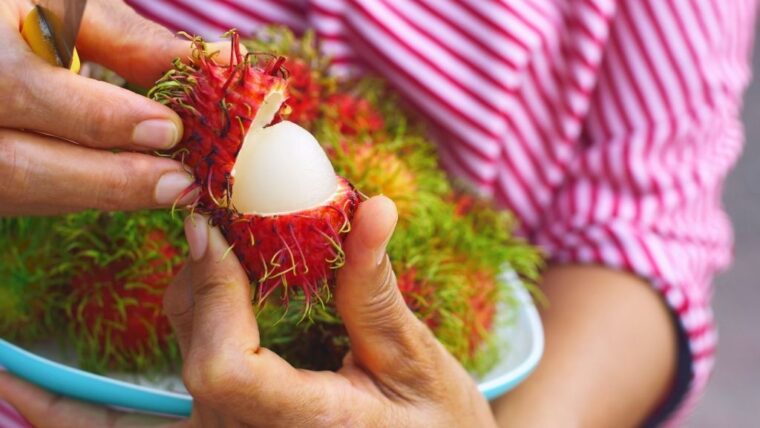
221, 292
44, 176
54, 101
114, 35
386, 337
178, 298
262, 389
140, 50
44, 409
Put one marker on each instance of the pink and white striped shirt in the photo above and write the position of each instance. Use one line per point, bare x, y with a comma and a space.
607, 126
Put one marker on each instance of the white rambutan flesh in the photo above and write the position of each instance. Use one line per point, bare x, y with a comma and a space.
281, 169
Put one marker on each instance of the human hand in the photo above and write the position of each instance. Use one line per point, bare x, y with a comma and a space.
397, 373
58, 129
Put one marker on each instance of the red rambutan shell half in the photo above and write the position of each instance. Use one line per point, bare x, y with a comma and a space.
297, 250
217, 104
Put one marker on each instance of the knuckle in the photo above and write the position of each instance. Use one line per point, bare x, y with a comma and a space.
215, 281
385, 309
104, 120
210, 285
110, 194
176, 305
14, 87
13, 170
212, 377
123, 187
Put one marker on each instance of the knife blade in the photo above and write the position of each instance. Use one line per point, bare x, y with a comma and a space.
60, 19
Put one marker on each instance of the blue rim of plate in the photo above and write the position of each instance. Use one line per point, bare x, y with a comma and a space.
72, 382
76, 383
499, 385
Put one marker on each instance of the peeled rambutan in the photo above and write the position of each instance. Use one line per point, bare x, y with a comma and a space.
287, 227
267, 183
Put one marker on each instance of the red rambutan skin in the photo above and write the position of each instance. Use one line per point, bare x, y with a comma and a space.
479, 317
304, 92
217, 103
417, 295
463, 204
483, 306
356, 115
124, 313
298, 250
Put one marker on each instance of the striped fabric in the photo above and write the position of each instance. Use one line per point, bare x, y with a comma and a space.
607, 126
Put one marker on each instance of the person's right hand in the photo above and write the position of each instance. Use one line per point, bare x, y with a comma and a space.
58, 130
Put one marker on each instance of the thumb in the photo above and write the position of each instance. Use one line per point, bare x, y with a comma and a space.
384, 333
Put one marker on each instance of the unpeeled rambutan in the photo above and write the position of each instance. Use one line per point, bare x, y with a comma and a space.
377, 170
304, 92
116, 310
355, 114
118, 266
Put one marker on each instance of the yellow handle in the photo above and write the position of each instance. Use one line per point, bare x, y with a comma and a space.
40, 43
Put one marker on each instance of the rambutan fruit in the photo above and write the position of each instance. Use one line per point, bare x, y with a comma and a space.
377, 170
418, 294
304, 92
117, 310
31, 283
355, 114
269, 187
120, 265
453, 295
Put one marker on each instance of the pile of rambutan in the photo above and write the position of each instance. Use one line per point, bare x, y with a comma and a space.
283, 153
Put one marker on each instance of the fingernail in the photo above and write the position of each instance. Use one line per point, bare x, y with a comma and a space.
171, 185
196, 232
381, 251
156, 134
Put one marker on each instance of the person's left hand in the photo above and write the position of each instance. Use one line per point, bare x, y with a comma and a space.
397, 373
